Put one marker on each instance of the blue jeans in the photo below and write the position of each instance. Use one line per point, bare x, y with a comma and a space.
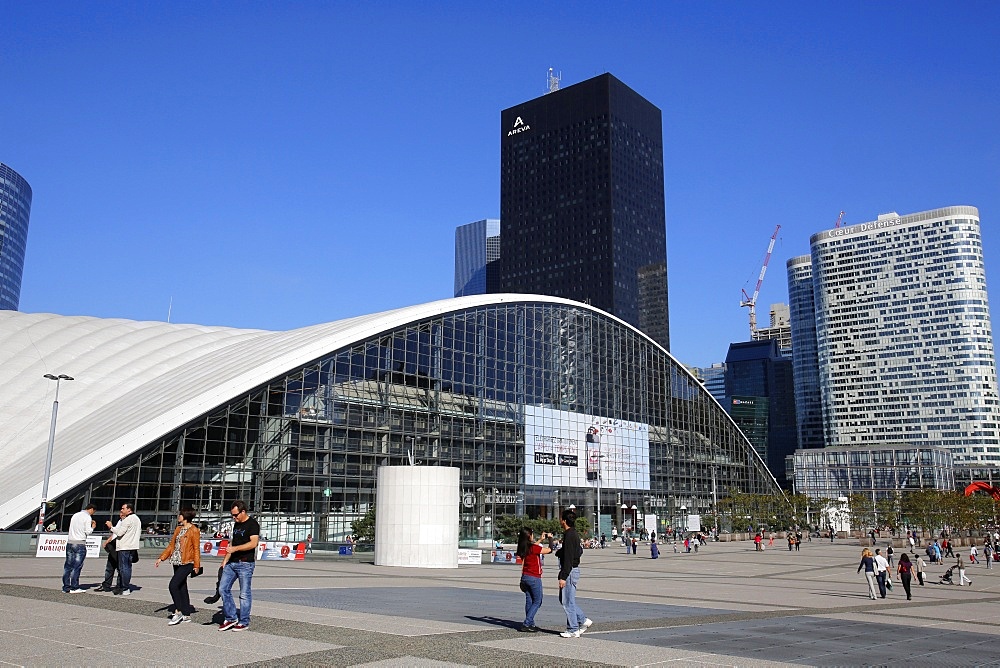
124, 569
532, 598
75, 554
242, 570
574, 615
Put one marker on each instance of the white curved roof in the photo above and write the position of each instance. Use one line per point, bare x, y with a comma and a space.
136, 382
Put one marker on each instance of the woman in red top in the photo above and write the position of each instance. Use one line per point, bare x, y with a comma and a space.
531, 575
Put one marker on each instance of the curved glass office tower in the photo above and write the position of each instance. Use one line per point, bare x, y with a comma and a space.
904, 344
15, 206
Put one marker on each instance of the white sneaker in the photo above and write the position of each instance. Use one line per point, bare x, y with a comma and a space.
570, 634
586, 625
186, 618
77, 591
176, 619
126, 592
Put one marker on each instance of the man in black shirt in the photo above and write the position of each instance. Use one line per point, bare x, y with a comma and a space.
569, 577
238, 564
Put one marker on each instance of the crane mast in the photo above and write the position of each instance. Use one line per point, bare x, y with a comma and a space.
751, 302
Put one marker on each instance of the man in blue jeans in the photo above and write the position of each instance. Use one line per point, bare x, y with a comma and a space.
569, 577
80, 526
238, 564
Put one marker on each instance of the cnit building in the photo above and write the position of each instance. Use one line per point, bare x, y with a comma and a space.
893, 346
537, 400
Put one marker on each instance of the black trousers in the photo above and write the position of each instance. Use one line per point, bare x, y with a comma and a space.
920, 578
179, 589
109, 571
905, 577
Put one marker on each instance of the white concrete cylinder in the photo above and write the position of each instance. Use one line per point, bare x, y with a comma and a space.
416, 516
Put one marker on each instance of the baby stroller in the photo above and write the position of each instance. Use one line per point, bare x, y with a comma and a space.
947, 577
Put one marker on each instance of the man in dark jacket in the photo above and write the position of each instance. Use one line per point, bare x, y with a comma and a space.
569, 577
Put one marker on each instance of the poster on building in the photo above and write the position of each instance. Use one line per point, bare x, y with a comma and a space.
469, 557
564, 449
54, 545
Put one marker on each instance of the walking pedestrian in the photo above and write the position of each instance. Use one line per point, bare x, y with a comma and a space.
635, 546
654, 550
921, 569
238, 564
569, 555
531, 574
905, 572
81, 525
110, 546
309, 543
184, 553
868, 564
961, 573
888, 554
127, 533
988, 553
973, 554
881, 571
770, 539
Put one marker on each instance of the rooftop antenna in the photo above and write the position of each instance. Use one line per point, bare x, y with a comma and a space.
552, 81
170, 307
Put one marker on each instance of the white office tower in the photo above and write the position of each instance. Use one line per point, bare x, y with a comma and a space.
903, 341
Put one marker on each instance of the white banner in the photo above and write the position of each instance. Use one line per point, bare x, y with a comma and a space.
564, 449
54, 545
469, 557
268, 551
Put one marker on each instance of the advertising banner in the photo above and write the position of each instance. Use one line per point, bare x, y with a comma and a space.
214, 547
54, 545
469, 557
564, 449
504, 557
270, 551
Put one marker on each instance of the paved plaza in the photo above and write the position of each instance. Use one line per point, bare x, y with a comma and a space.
724, 606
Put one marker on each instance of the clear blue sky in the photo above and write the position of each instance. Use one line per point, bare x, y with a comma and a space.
275, 165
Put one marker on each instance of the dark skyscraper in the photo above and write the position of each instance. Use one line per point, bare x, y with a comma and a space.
15, 207
581, 201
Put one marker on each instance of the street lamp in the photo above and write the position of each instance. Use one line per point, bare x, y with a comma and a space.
624, 509
52, 441
635, 518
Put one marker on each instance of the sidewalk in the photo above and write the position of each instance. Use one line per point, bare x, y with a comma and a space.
724, 606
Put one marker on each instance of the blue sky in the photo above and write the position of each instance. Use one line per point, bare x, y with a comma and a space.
275, 165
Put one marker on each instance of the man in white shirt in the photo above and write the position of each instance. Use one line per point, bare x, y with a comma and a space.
127, 534
81, 525
881, 571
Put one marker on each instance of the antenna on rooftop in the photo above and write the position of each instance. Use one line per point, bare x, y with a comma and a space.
552, 81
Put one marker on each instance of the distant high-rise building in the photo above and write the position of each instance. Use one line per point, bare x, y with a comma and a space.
904, 348
761, 397
805, 363
780, 329
15, 208
714, 379
581, 200
477, 249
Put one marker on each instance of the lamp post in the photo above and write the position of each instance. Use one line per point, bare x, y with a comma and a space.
635, 518
624, 509
52, 441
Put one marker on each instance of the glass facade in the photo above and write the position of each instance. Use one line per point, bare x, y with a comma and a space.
581, 200
506, 392
805, 362
477, 249
15, 208
904, 342
880, 472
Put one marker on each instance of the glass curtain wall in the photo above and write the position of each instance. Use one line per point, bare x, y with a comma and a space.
448, 391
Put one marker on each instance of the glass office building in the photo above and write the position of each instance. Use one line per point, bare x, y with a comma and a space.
477, 250
904, 347
581, 200
15, 208
539, 401
878, 472
805, 361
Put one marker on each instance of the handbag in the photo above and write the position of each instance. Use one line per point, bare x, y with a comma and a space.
888, 583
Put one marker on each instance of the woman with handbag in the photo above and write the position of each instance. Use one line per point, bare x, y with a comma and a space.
530, 553
184, 554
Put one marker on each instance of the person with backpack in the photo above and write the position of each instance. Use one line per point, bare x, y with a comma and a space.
905, 572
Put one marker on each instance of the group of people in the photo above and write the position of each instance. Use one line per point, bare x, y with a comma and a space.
531, 551
183, 552
878, 569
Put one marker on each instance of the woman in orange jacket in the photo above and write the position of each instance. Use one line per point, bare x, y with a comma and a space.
184, 553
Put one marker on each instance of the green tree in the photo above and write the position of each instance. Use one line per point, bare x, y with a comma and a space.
364, 528
862, 511
887, 512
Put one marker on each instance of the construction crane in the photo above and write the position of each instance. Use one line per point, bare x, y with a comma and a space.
751, 302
